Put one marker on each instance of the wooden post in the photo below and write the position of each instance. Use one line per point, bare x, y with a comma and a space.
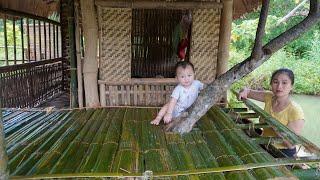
224, 39
78, 56
5, 40
4, 172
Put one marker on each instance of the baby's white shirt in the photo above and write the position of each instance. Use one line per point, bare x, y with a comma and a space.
185, 96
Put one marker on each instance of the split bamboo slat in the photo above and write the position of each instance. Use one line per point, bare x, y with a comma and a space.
121, 142
137, 92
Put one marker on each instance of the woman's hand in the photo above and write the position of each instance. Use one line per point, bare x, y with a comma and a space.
243, 94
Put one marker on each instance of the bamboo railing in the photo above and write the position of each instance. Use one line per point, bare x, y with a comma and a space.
137, 92
26, 85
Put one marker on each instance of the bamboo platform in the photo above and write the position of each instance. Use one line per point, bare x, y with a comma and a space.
120, 142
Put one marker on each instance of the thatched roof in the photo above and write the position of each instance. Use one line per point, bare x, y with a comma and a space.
45, 8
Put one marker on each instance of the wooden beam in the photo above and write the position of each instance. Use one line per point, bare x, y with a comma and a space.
158, 4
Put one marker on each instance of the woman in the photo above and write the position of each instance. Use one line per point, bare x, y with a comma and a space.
279, 105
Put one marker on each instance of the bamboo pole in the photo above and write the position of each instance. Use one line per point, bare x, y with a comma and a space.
45, 39
72, 55
28, 39
14, 42
224, 40
5, 39
4, 172
158, 4
22, 40
34, 40
39, 31
78, 56
90, 66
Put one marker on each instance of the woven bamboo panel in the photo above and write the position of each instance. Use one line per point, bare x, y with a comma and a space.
115, 44
204, 44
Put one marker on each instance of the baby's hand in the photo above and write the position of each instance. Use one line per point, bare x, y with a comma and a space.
156, 121
167, 118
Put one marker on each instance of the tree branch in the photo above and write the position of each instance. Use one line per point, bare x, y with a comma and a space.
212, 93
257, 48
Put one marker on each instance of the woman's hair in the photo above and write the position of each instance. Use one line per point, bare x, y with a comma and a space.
286, 71
184, 64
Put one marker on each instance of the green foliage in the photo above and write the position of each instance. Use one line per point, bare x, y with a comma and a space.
301, 55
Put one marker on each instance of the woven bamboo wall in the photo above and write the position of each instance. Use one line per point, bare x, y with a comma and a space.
115, 44
204, 42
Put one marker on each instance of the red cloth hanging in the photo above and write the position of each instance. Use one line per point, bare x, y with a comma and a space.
182, 47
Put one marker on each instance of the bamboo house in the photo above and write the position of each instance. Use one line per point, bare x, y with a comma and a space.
57, 58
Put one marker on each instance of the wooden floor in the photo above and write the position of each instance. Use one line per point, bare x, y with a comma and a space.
118, 142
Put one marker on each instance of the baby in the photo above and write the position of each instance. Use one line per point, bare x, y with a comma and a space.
183, 96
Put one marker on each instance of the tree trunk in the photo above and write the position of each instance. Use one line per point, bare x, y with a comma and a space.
90, 65
212, 93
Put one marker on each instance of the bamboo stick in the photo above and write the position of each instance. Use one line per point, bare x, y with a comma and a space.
4, 172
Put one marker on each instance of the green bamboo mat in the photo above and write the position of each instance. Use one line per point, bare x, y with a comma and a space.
121, 142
